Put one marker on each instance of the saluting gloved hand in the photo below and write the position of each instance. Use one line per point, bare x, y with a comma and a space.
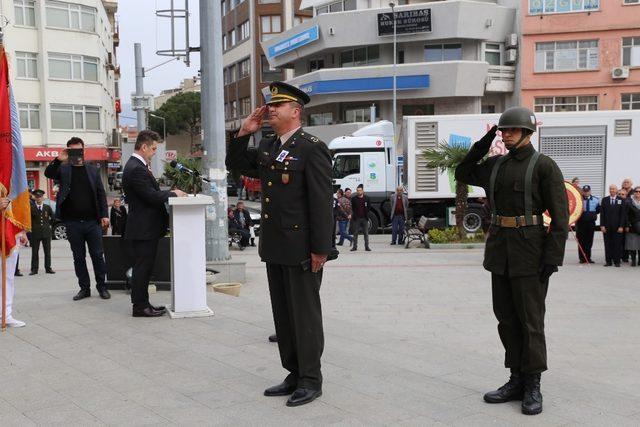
487, 139
546, 270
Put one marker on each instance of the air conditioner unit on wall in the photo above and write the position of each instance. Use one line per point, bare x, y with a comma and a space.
511, 56
620, 72
512, 40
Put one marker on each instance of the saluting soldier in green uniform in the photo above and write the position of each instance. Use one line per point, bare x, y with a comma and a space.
41, 232
295, 232
520, 252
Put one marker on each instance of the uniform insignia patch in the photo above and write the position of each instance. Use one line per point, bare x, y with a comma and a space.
283, 154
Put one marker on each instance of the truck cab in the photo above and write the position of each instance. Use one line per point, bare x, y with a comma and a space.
367, 157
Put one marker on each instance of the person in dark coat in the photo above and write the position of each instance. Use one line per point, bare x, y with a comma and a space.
82, 205
118, 218
147, 221
235, 226
632, 238
586, 224
360, 207
520, 252
295, 232
613, 218
41, 232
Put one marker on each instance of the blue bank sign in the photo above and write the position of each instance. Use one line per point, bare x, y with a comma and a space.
369, 84
294, 42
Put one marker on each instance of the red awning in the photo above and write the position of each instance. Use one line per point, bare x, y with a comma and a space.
46, 154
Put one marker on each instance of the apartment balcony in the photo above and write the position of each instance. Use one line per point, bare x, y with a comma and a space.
463, 19
413, 81
501, 78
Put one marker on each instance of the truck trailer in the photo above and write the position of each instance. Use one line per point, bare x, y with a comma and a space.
599, 147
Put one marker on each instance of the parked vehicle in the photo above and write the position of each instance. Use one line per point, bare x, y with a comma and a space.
594, 146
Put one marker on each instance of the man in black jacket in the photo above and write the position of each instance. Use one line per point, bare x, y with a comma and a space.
147, 221
612, 221
295, 232
586, 225
360, 206
82, 205
41, 226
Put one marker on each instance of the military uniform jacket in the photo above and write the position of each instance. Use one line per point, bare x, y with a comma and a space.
520, 251
41, 221
296, 195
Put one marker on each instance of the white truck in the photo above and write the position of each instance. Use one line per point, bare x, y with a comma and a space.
599, 147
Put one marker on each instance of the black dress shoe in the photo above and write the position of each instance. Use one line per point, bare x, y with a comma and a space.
367, 249
354, 249
608, 264
161, 308
18, 274
146, 312
33, 273
104, 294
512, 390
591, 261
50, 271
302, 396
84, 293
282, 389
273, 338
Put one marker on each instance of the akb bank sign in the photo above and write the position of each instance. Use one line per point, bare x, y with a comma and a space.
45, 154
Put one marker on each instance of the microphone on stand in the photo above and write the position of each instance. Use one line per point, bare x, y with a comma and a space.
182, 168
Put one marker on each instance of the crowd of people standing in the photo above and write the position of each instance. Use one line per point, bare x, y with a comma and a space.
619, 223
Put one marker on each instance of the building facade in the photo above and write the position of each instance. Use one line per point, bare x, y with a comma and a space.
580, 55
64, 74
452, 57
245, 25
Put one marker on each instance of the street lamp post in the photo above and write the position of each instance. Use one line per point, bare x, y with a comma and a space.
395, 60
164, 126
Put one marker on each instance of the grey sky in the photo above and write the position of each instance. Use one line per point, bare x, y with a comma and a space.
139, 24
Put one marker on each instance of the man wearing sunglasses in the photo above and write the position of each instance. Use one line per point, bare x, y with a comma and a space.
520, 252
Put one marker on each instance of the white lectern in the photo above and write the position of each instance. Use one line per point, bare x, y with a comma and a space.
188, 257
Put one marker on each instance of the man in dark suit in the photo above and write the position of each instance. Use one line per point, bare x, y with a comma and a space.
82, 206
613, 217
147, 221
41, 226
295, 232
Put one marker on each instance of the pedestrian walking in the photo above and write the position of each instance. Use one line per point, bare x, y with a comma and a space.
344, 216
632, 239
586, 225
82, 206
519, 252
118, 218
399, 215
360, 205
294, 168
41, 232
612, 221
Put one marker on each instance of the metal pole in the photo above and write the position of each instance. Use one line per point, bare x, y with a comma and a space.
213, 129
395, 60
141, 113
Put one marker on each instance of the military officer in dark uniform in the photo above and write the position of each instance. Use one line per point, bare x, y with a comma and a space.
295, 232
520, 252
41, 232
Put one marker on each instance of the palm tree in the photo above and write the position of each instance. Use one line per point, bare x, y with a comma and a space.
447, 157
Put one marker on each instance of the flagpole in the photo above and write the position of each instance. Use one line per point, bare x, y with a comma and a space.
4, 271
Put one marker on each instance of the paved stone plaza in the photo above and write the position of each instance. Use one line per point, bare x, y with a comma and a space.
410, 340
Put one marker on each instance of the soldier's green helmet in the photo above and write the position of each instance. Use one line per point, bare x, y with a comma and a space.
518, 117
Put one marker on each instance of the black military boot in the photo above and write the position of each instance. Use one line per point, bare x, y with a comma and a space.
532, 400
512, 390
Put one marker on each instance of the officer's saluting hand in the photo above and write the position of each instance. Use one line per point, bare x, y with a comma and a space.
295, 231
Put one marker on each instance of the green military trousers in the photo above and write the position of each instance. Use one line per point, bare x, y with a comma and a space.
519, 306
297, 314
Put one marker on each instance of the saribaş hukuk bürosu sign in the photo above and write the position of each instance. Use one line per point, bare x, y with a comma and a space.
407, 22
